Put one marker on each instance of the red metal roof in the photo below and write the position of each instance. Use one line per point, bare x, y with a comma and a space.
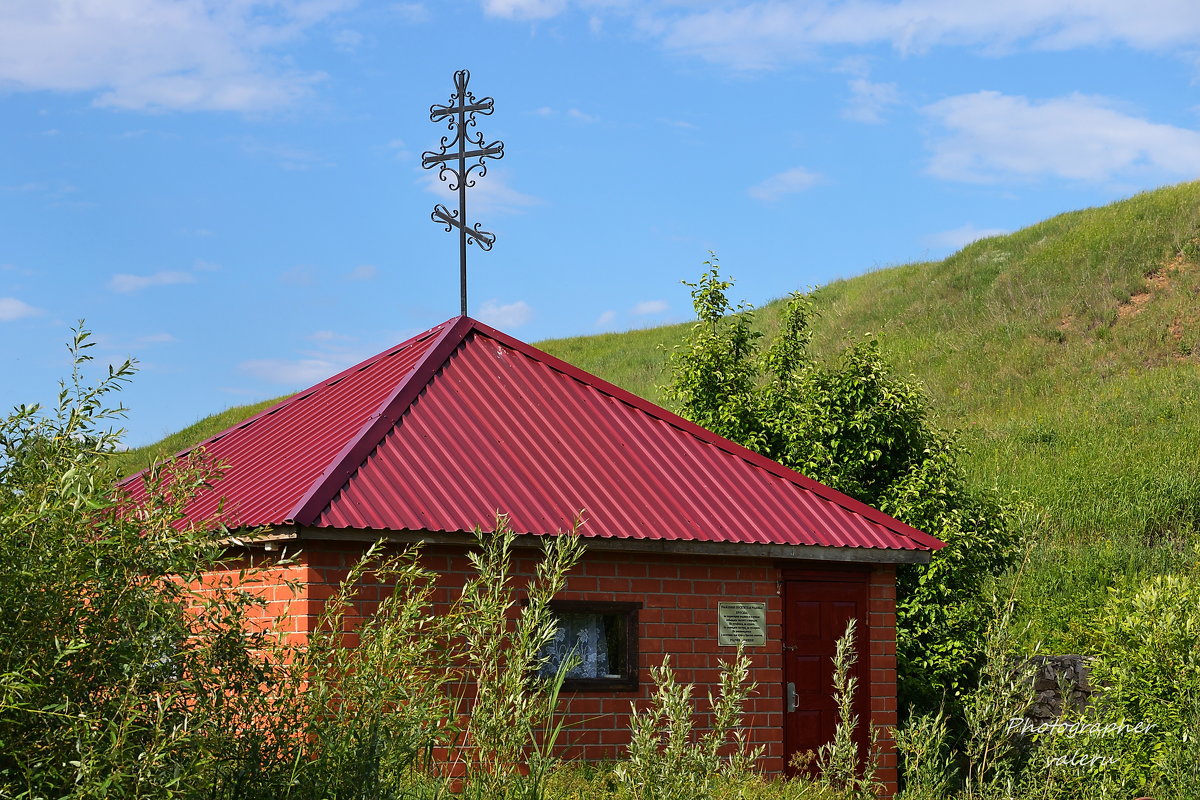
441, 432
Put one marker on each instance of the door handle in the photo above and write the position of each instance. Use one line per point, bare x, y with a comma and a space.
791, 696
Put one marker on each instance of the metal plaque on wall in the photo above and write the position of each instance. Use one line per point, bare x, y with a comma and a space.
741, 623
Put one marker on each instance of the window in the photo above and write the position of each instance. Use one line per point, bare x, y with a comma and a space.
602, 639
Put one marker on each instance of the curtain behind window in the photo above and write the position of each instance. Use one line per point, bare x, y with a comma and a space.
585, 637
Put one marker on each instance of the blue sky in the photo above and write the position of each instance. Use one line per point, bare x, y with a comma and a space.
231, 192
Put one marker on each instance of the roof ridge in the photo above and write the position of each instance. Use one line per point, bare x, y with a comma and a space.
331, 480
733, 448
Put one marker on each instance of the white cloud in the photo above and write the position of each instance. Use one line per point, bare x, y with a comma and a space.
363, 272
490, 194
125, 282
991, 137
411, 12
159, 54
650, 307
299, 275
56, 190
288, 156
763, 34
573, 113
156, 338
329, 336
868, 100
24, 188
677, 123
12, 309
399, 150
290, 372
523, 9
513, 315
331, 353
790, 181
348, 40
961, 237
606, 318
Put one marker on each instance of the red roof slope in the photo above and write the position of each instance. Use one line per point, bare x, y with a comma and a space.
441, 432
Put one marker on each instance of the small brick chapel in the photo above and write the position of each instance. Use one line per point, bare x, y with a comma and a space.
694, 543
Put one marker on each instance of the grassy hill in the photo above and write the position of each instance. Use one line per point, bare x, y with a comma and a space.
1066, 354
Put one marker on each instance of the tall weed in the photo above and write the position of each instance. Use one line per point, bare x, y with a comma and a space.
668, 760
841, 766
510, 730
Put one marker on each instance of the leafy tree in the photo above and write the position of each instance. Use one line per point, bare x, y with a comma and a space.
857, 427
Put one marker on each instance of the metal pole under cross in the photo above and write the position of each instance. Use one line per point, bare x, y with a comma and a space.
461, 113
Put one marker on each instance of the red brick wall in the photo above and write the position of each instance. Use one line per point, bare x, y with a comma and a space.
882, 611
283, 589
679, 596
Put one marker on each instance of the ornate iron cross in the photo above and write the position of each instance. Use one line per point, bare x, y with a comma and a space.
461, 148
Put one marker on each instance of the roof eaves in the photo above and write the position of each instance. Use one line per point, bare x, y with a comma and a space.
821, 490
783, 552
359, 446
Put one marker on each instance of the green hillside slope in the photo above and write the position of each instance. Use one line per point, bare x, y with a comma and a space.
1067, 354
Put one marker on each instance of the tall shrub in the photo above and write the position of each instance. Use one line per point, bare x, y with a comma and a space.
856, 426
1148, 670
114, 663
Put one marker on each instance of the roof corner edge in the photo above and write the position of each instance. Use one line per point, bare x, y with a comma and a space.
330, 482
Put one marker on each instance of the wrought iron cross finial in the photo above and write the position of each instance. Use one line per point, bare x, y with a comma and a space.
461, 148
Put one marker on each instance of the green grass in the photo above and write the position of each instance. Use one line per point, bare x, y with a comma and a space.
1091, 413
1066, 354
138, 458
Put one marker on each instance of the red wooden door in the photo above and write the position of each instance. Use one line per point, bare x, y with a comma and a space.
815, 614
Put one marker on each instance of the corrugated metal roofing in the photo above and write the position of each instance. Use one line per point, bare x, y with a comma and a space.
446, 429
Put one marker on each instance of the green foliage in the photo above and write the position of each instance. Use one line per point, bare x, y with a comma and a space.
992, 755
718, 369
1148, 663
667, 759
581, 781
839, 760
1136, 737
855, 426
510, 732
134, 661
927, 763
360, 720
114, 666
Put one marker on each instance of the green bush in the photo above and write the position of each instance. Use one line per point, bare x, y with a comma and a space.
854, 425
116, 672
1148, 665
